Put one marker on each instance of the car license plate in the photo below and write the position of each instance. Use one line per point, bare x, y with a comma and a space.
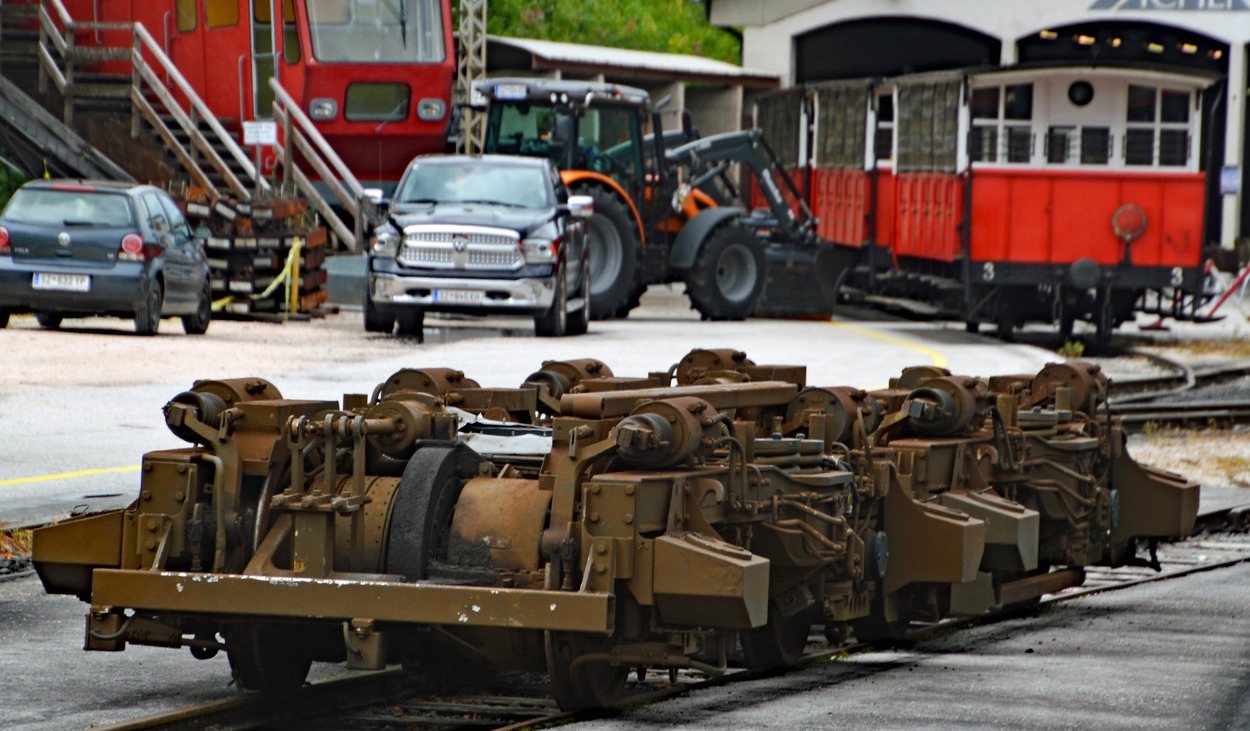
458, 296
62, 282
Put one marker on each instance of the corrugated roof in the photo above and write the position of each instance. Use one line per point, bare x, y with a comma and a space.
546, 55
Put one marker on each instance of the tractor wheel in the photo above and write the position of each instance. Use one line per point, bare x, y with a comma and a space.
727, 279
615, 254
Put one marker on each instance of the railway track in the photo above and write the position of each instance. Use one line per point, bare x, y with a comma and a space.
384, 701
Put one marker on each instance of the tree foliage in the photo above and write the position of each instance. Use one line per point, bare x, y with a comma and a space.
666, 26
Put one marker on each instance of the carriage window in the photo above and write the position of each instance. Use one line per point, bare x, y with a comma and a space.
1158, 127
985, 103
1174, 107
1018, 103
883, 144
1070, 144
221, 13
1141, 104
376, 31
184, 15
994, 138
1019, 143
1095, 145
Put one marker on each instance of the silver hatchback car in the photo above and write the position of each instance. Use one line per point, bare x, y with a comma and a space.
72, 248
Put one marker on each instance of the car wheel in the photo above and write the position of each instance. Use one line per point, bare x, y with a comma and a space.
377, 322
197, 324
50, 320
579, 319
554, 323
148, 316
411, 324
4, 318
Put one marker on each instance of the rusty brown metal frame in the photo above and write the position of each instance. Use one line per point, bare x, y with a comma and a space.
337, 599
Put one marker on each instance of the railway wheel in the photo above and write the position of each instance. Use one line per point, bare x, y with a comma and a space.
267, 659
418, 530
727, 278
148, 316
615, 254
581, 676
877, 629
779, 643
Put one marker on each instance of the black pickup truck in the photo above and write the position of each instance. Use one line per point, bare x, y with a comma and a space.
483, 235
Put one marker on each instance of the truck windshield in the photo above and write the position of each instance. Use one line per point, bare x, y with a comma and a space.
373, 31
520, 187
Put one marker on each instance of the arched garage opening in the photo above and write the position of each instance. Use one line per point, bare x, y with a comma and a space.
889, 47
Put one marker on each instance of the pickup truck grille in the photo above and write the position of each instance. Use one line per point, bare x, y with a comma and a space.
476, 251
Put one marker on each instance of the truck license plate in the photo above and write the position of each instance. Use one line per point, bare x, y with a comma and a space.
458, 296
62, 282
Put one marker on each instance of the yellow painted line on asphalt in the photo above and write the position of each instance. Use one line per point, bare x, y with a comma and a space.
68, 475
938, 358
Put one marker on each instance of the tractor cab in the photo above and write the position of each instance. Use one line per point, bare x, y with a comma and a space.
579, 126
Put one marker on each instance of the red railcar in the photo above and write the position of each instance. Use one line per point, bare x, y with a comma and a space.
1052, 193
375, 76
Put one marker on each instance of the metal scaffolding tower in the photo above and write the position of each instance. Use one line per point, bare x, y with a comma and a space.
470, 67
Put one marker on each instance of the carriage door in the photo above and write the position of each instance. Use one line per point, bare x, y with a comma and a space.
263, 66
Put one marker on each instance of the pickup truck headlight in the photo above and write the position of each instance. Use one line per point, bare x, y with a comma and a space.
540, 251
386, 242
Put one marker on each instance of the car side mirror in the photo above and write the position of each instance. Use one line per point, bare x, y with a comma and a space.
581, 206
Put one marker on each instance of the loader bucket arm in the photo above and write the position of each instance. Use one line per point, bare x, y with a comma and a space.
750, 148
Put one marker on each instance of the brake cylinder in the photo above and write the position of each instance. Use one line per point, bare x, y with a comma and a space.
667, 433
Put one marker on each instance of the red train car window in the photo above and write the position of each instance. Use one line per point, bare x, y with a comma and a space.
221, 13
377, 102
185, 19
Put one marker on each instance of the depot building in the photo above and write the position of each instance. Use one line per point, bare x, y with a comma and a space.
804, 41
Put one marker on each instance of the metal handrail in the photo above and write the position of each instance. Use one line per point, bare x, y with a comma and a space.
197, 104
141, 40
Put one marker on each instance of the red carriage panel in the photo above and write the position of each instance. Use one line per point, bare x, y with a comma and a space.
840, 200
1030, 216
928, 210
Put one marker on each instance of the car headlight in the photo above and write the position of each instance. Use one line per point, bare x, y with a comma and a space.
386, 242
540, 251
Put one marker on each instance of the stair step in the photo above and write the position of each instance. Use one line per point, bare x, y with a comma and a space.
100, 53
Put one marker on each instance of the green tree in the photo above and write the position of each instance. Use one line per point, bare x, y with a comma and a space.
666, 26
